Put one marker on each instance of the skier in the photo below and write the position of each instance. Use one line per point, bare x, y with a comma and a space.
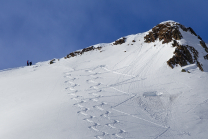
28, 63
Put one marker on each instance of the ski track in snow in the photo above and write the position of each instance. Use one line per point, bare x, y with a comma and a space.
97, 106
97, 114
106, 103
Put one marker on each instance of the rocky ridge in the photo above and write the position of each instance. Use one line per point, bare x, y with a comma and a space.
91, 48
166, 32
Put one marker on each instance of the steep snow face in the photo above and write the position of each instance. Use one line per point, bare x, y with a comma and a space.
123, 90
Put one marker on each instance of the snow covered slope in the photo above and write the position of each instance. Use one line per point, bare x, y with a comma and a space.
124, 89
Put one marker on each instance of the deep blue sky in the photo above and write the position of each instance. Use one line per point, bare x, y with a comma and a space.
40, 30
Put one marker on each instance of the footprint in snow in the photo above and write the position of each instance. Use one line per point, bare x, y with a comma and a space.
99, 96
98, 84
99, 108
100, 90
76, 98
71, 89
89, 71
83, 101
89, 119
67, 73
67, 76
71, 83
118, 136
102, 104
96, 73
91, 81
93, 99
70, 78
74, 91
94, 94
72, 94
120, 133
81, 112
94, 127
67, 88
74, 85
68, 82
95, 78
101, 136
111, 126
84, 109
106, 114
94, 87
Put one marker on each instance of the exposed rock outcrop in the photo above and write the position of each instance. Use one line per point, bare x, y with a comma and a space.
76, 53
120, 41
199, 37
184, 55
203, 44
52, 61
187, 29
206, 57
165, 32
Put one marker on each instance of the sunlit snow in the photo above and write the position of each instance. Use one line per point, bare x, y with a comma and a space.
121, 91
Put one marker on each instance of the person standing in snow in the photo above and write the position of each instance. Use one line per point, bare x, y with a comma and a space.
28, 63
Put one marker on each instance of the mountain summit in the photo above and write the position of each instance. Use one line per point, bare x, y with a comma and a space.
184, 54
189, 48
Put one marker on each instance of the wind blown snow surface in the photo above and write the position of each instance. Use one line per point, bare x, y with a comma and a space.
121, 91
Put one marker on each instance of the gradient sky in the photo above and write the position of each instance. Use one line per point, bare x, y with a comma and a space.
40, 30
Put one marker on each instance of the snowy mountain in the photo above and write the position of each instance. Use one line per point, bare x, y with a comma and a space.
134, 87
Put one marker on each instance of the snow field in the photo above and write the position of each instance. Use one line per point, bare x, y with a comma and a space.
125, 91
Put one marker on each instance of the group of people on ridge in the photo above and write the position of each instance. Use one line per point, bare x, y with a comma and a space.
29, 63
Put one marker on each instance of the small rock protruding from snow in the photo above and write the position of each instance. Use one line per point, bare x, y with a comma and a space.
76, 53
120, 41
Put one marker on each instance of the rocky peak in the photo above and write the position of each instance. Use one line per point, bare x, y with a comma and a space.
165, 32
169, 31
